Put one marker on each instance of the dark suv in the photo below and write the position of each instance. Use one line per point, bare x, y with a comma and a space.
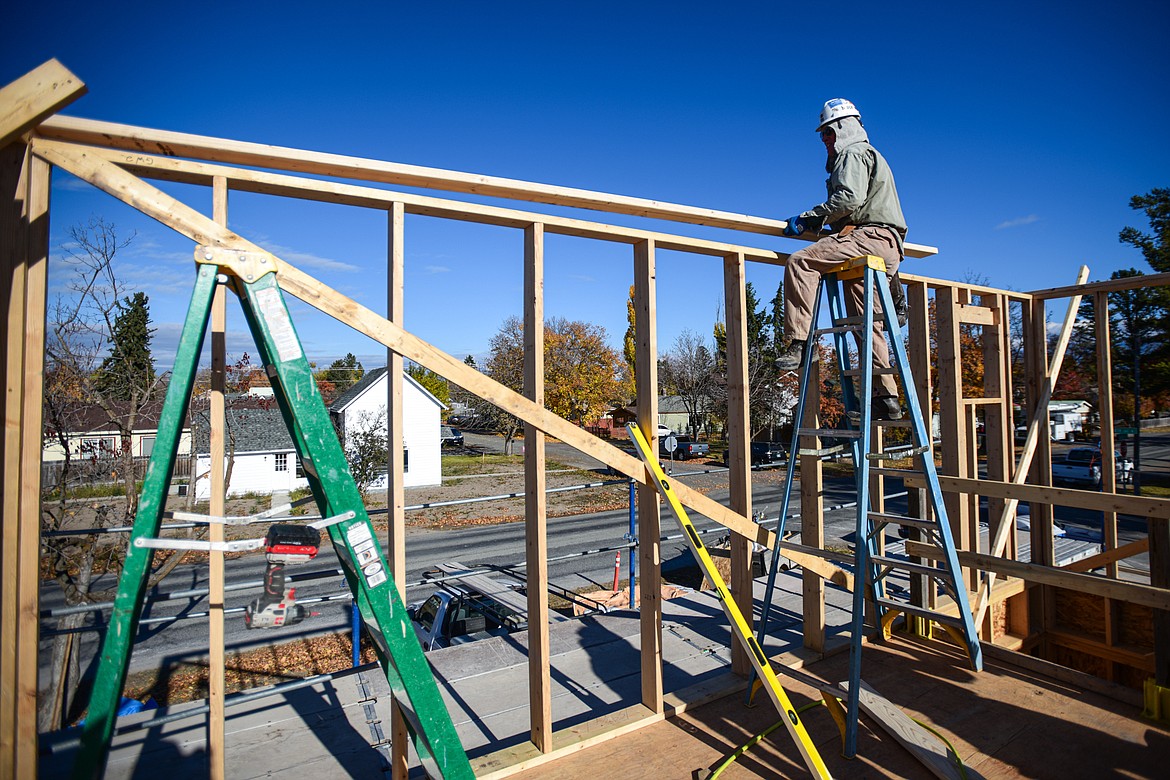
450, 437
762, 453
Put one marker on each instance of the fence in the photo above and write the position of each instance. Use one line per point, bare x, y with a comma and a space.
104, 471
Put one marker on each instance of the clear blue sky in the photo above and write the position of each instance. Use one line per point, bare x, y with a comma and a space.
1017, 133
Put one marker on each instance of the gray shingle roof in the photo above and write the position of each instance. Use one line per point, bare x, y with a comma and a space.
255, 424
359, 387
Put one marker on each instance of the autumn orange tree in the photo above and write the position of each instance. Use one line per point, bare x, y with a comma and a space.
583, 375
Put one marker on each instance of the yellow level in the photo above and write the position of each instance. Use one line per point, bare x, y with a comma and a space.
739, 626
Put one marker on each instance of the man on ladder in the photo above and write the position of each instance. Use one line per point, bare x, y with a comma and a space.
866, 219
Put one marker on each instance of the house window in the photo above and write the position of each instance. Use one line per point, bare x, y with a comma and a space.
147, 445
282, 461
300, 468
95, 447
405, 460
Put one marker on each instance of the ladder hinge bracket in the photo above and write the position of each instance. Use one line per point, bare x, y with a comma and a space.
246, 265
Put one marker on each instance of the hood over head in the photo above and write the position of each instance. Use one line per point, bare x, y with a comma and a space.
849, 131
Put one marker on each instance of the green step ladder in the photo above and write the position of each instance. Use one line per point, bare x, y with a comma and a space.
354, 540
871, 569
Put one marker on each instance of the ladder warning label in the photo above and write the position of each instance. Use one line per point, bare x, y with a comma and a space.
280, 327
366, 553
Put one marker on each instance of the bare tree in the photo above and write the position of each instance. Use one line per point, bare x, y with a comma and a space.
98, 375
688, 371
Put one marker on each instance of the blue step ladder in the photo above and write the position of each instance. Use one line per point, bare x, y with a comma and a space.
933, 528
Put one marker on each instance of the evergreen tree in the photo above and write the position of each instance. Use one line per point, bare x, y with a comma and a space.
343, 373
1155, 248
129, 367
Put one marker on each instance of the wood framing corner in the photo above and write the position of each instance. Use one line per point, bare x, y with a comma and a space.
33, 97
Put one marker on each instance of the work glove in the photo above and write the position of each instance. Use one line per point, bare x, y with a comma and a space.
794, 227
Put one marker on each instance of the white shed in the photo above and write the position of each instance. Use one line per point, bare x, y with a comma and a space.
365, 404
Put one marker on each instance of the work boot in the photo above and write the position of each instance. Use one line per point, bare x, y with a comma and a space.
885, 407
792, 358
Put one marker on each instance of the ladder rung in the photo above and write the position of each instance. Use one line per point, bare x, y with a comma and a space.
834, 433
921, 612
909, 522
240, 545
825, 451
882, 471
876, 371
854, 320
904, 565
896, 454
883, 423
840, 329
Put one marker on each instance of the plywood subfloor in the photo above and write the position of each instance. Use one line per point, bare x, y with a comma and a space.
1004, 723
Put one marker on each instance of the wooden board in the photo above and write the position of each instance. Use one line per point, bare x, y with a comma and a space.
34, 96
926, 747
170, 144
1132, 592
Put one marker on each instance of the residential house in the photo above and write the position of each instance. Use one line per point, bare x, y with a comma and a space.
93, 433
259, 447
365, 404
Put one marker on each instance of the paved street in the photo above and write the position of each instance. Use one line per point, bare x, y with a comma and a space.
499, 544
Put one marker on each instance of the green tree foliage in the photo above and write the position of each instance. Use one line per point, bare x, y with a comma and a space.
129, 366
771, 395
1155, 248
344, 372
435, 384
341, 375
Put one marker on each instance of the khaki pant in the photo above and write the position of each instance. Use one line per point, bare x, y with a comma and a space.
804, 273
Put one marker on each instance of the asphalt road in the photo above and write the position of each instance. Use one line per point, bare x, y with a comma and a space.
160, 645
185, 641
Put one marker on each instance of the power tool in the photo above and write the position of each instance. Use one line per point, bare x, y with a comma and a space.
283, 545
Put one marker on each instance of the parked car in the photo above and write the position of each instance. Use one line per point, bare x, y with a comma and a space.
763, 453
684, 449
663, 431
1082, 466
450, 437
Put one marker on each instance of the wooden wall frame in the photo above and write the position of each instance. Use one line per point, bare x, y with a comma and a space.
120, 160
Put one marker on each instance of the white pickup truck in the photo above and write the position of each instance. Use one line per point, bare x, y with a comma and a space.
466, 609
1082, 467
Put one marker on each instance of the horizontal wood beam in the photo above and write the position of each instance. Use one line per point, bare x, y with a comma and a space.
1110, 285
170, 144
974, 289
33, 97
970, 314
1139, 506
1138, 659
1109, 556
1132, 592
323, 191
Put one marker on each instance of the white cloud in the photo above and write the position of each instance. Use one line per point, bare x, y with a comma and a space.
299, 258
437, 269
1018, 222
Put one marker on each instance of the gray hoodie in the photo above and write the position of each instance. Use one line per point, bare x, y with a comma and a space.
861, 185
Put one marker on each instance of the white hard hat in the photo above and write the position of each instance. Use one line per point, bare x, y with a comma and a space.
837, 108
